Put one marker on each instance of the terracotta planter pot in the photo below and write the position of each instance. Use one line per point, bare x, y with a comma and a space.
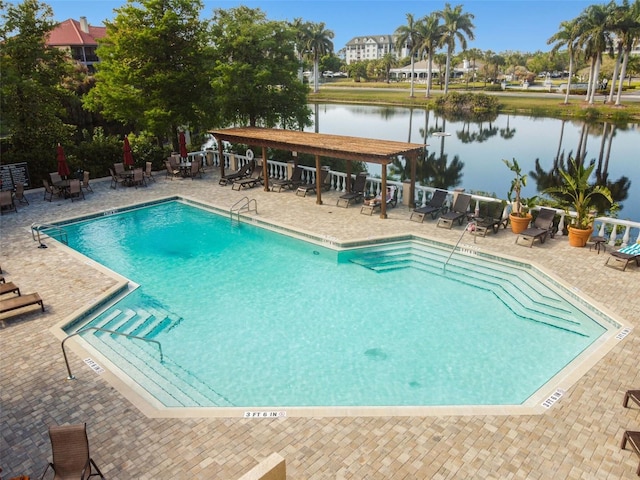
519, 224
578, 237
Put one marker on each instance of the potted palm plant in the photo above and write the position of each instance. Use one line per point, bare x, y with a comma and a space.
519, 218
575, 191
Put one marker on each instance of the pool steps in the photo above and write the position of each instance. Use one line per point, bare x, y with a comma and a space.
141, 360
512, 288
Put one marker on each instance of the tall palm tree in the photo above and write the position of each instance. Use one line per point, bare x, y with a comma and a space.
430, 31
387, 62
301, 40
407, 36
595, 38
457, 26
628, 32
567, 36
318, 43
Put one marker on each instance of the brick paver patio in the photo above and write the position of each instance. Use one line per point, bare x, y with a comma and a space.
577, 438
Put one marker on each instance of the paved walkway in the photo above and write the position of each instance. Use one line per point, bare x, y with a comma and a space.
577, 438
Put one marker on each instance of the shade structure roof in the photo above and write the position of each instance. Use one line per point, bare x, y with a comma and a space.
321, 144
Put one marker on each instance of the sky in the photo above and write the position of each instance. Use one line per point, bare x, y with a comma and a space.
501, 25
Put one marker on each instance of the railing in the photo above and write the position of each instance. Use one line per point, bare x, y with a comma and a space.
60, 233
113, 332
608, 229
242, 205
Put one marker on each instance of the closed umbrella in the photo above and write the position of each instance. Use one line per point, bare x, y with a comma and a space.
183, 145
128, 156
63, 168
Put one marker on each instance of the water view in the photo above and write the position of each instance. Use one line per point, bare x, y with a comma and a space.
479, 146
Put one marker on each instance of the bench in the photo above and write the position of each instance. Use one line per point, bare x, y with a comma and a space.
19, 302
9, 287
634, 440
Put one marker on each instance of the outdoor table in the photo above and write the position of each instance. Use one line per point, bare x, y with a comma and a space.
127, 177
63, 186
185, 168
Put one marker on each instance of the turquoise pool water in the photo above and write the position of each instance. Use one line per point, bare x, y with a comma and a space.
249, 317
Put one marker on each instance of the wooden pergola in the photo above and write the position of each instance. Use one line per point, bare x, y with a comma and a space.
369, 150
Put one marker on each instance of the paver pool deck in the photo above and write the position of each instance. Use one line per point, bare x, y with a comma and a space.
577, 438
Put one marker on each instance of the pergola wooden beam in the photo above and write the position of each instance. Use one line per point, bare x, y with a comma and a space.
343, 147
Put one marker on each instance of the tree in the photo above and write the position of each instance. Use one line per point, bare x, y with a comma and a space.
567, 36
153, 69
386, 63
32, 95
457, 26
318, 44
254, 79
627, 28
407, 36
430, 32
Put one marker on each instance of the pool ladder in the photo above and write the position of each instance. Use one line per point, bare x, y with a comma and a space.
243, 205
55, 231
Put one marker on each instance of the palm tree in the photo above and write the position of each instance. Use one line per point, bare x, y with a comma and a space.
628, 33
430, 31
595, 38
387, 62
301, 40
567, 36
407, 36
318, 43
457, 26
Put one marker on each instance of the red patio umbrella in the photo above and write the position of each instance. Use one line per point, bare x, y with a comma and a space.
183, 145
128, 156
63, 168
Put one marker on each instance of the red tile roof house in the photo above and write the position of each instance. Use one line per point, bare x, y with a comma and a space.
79, 38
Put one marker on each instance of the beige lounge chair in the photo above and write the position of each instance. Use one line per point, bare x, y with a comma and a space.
19, 302
70, 452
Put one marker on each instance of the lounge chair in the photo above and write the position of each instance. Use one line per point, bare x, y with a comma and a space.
6, 202
371, 205
245, 171
252, 181
75, 190
70, 452
302, 190
458, 212
21, 301
490, 218
631, 395
357, 192
293, 182
542, 226
634, 440
626, 255
434, 207
9, 287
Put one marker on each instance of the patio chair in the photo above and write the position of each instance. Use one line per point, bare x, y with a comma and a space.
252, 181
70, 452
292, 182
85, 181
118, 168
245, 171
6, 202
302, 190
50, 191
542, 226
371, 205
626, 255
195, 169
75, 190
435, 206
357, 192
172, 171
115, 180
458, 212
19, 193
20, 302
631, 395
138, 178
147, 172
490, 217
633, 438
55, 177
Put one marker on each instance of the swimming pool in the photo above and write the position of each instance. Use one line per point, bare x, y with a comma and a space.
248, 317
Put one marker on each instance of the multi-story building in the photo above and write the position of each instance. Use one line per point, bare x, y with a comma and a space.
372, 47
78, 38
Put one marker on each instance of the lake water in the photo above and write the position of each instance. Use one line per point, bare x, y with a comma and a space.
481, 146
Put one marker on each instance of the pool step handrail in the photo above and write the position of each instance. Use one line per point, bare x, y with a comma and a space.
243, 205
60, 233
470, 227
113, 332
